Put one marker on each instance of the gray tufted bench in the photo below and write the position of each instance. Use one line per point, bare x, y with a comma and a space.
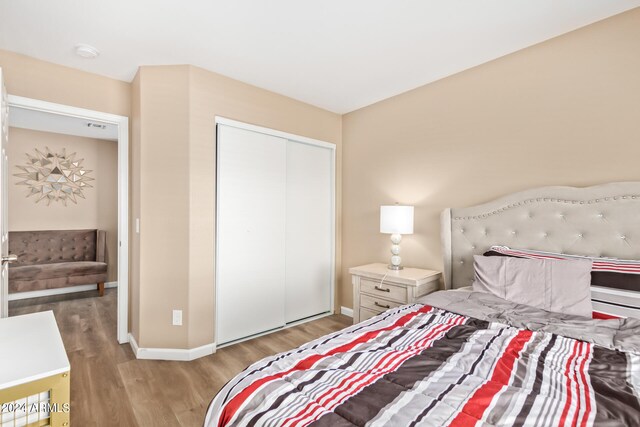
57, 259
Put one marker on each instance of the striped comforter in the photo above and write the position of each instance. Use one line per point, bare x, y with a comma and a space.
422, 365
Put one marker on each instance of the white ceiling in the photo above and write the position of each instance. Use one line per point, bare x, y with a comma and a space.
58, 123
337, 54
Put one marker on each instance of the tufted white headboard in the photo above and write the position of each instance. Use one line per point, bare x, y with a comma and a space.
603, 220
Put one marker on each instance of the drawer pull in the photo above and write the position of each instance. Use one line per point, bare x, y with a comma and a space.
382, 305
380, 288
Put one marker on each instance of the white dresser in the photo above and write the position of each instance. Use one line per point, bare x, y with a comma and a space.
34, 372
372, 295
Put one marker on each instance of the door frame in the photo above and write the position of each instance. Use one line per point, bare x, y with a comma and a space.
123, 191
219, 120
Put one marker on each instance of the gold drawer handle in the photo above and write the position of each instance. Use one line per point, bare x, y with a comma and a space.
380, 288
381, 305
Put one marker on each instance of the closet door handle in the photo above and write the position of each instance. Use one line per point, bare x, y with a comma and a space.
382, 305
380, 288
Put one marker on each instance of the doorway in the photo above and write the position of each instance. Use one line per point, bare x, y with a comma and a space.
39, 116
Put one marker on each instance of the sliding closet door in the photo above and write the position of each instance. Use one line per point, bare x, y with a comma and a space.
251, 233
309, 242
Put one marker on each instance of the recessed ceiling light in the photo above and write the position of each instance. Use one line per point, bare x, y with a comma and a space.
86, 51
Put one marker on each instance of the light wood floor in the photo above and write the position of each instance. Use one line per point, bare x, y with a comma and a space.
109, 387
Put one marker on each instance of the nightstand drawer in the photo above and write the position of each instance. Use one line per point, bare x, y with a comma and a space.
375, 288
386, 290
377, 304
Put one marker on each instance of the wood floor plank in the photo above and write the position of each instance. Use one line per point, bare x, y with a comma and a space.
145, 395
110, 387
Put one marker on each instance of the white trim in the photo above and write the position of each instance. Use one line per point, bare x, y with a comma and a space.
274, 132
123, 191
178, 354
332, 214
134, 345
123, 231
65, 110
295, 138
59, 291
346, 311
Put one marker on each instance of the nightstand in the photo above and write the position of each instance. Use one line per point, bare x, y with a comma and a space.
372, 297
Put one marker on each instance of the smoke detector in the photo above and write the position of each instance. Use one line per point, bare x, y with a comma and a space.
86, 51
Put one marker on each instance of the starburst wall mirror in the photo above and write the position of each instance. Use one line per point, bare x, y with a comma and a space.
54, 176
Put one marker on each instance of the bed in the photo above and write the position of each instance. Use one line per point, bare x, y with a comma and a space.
459, 357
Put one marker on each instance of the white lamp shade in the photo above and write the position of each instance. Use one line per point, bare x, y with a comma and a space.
396, 219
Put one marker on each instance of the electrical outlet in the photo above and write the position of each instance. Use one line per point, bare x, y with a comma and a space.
137, 225
177, 317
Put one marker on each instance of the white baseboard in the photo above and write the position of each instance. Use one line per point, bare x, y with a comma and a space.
58, 291
134, 345
179, 354
346, 311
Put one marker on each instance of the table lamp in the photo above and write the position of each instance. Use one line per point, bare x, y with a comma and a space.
396, 220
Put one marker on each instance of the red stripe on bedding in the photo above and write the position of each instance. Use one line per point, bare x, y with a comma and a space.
585, 384
618, 269
576, 380
604, 316
474, 409
567, 373
236, 402
329, 400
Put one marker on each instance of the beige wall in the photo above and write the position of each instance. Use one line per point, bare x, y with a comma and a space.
541, 116
178, 105
97, 210
32, 78
163, 173
172, 111
564, 112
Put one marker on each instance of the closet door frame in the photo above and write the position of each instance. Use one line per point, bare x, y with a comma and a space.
298, 139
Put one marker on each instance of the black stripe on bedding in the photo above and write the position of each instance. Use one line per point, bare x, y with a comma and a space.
616, 401
365, 405
318, 377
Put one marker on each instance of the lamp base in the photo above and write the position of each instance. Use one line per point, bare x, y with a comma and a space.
394, 267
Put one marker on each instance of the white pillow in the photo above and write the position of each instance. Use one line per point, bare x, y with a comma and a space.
561, 286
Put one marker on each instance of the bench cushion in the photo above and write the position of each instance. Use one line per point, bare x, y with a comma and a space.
58, 275
53, 246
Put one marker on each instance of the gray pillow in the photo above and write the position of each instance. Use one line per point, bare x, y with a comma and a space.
561, 286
